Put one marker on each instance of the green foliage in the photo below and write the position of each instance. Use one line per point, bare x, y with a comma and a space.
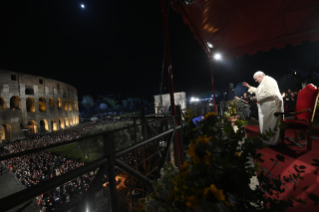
237, 104
217, 172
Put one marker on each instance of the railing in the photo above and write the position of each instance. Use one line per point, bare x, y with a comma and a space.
107, 163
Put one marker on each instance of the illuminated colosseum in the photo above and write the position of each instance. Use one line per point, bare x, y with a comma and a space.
32, 105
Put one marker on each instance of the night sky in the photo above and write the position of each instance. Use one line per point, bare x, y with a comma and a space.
113, 47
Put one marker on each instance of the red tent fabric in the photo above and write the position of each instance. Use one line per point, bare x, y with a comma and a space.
238, 27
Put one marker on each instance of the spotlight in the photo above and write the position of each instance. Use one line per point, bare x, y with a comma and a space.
217, 56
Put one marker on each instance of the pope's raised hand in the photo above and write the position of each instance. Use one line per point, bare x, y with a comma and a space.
246, 84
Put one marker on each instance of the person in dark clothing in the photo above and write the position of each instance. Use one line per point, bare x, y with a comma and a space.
247, 103
291, 106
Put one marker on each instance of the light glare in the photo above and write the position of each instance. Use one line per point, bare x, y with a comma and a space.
194, 99
82, 5
210, 45
217, 56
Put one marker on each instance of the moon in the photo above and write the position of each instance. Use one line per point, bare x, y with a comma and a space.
82, 6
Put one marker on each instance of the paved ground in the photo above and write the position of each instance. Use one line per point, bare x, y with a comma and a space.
10, 185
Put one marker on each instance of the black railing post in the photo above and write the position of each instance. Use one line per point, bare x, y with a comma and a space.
135, 131
167, 150
109, 151
174, 142
130, 188
143, 122
180, 133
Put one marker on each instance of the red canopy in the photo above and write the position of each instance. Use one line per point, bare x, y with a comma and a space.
238, 27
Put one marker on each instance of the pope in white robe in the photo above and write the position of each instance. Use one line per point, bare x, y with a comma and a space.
269, 101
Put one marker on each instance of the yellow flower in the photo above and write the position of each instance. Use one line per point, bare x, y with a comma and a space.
203, 140
209, 114
192, 152
231, 104
238, 153
213, 190
185, 165
196, 160
219, 195
206, 158
191, 201
227, 203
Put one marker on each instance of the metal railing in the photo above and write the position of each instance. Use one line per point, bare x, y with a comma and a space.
106, 164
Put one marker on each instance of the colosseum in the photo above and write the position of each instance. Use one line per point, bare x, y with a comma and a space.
32, 105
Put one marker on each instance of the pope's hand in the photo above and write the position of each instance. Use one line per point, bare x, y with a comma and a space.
246, 84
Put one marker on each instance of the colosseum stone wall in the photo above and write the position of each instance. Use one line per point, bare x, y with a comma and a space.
33, 104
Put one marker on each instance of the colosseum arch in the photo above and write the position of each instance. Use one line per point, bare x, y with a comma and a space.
77, 119
42, 104
51, 102
2, 104
32, 125
2, 134
53, 125
71, 121
6, 132
65, 102
15, 103
59, 103
66, 122
75, 106
44, 127
30, 104
61, 123
70, 105
74, 120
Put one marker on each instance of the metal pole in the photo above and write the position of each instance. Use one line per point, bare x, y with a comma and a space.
168, 56
109, 151
180, 132
213, 86
130, 188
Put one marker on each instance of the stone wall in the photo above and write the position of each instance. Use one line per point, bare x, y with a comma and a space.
179, 99
32, 102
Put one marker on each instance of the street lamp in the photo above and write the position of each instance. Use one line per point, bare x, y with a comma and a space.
217, 56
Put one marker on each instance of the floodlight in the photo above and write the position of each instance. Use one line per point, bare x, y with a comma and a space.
217, 56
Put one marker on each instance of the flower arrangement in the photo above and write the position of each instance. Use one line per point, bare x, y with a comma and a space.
234, 108
217, 173
232, 111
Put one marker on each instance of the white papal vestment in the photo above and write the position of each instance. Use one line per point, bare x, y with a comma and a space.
269, 101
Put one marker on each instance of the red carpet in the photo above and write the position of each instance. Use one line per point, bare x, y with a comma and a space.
295, 155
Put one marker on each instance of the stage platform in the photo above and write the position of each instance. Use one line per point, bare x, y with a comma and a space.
294, 155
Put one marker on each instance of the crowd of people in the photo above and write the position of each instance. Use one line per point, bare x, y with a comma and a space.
59, 198
37, 167
290, 100
34, 168
34, 142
